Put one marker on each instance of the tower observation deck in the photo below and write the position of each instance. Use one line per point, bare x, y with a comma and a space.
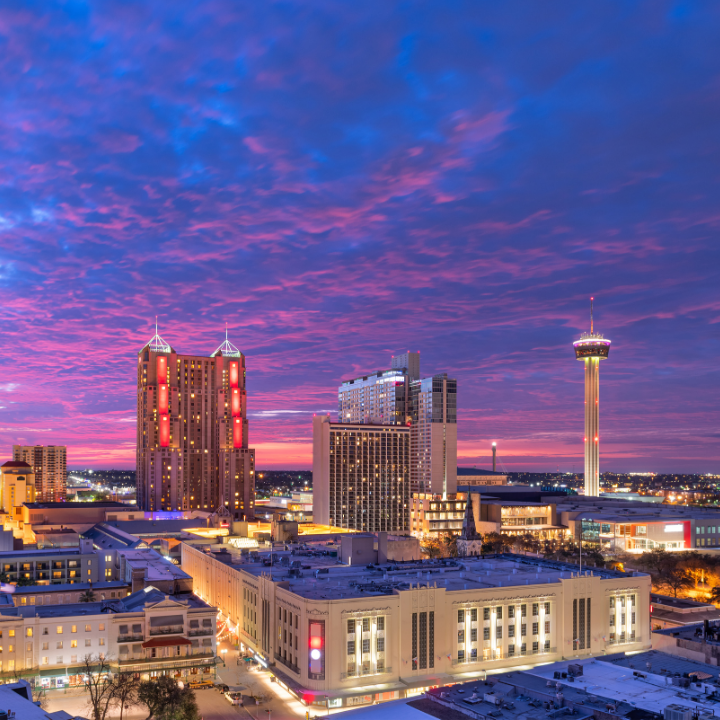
591, 348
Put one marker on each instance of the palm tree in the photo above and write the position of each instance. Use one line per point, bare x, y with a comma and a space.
87, 596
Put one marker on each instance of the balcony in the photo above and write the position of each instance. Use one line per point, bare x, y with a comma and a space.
200, 631
167, 630
145, 664
130, 638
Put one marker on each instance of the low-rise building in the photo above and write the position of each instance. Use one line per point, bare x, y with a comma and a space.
63, 513
472, 477
432, 514
148, 633
56, 566
341, 633
671, 612
699, 642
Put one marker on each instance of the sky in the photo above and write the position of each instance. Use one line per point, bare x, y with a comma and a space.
340, 182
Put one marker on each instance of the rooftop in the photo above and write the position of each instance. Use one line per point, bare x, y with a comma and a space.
74, 505
156, 566
132, 603
478, 471
342, 581
16, 464
141, 528
110, 537
67, 587
641, 679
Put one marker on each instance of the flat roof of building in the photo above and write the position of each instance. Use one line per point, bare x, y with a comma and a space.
342, 581
628, 677
156, 566
73, 505
132, 603
67, 587
157, 528
8, 554
478, 472
691, 631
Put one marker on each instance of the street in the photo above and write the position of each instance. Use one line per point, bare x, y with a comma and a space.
250, 680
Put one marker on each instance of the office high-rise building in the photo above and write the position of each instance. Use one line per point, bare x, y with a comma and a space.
192, 431
428, 406
590, 349
49, 465
361, 475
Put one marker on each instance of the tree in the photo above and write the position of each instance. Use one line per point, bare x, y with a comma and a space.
528, 543
431, 546
87, 596
125, 691
24, 582
496, 542
98, 685
451, 547
166, 701
675, 579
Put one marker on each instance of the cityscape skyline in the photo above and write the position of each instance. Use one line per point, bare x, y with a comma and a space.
345, 184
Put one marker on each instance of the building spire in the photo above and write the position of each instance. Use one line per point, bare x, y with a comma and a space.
227, 349
157, 344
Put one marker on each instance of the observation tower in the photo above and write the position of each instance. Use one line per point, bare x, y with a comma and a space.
591, 348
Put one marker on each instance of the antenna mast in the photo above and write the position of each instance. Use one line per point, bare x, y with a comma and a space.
591, 315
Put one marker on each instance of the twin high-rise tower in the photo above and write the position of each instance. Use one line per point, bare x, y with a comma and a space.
590, 349
192, 431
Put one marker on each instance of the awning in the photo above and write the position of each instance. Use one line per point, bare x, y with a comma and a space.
166, 641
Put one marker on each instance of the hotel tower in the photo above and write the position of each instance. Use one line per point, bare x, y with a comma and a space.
192, 431
590, 349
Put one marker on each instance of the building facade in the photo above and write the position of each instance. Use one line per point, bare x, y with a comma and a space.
399, 396
361, 475
432, 514
147, 633
352, 636
192, 431
49, 464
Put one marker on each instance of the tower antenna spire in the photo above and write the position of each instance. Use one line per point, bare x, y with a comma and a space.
226, 337
156, 324
591, 315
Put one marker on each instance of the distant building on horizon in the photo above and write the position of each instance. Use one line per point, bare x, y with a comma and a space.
474, 476
398, 396
192, 431
49, 465
361, 475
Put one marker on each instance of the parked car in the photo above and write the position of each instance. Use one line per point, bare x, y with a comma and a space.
234, 698
222, 687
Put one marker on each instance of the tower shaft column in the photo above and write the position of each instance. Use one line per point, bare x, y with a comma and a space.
592, 426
